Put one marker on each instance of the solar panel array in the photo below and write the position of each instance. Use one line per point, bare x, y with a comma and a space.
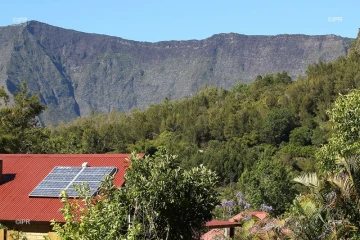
64, 178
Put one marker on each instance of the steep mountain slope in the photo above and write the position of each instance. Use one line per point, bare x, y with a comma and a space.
77, 72
355, 46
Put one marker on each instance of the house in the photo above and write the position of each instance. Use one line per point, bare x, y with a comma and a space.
263, 227
226, 229
25, 205
220, 229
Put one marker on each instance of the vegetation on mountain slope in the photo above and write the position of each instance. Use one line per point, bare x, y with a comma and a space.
237, 133
330, 207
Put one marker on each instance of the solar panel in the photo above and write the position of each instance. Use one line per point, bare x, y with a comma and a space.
64, 178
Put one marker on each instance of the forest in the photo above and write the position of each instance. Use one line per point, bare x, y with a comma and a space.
289, 144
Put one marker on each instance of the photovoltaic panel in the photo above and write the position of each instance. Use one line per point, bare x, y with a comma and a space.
89, 177
45, 192
58, 177
53, 185
64, 178
97, 170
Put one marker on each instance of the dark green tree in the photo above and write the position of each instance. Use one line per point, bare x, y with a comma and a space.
269, 182
277, 126
301, 136
20, 130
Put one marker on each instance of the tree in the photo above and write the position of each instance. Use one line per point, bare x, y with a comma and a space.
103, 217
325, 211
161, 200
332, 205
282, 77
345, 141
170, 202
301, 136
20, 130
269, 182
278, 125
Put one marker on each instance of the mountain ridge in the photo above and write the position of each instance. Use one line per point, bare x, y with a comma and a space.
78, 72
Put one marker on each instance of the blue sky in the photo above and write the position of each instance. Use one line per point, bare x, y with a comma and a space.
160, 20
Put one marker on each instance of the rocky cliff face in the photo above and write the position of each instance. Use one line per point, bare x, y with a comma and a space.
77, 72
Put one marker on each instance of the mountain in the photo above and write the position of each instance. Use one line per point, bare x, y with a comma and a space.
78, 72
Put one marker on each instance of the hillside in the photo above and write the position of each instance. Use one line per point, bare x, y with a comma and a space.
260, 135
78, 72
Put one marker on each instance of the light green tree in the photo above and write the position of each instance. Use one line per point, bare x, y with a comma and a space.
159, 201
345, 140
331, 207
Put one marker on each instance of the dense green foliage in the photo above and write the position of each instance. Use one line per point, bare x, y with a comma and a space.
330, 209
160, 201
235, 133
20, 131
269, 182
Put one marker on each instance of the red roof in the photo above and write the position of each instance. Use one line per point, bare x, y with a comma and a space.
261, 215
23, 172
217, 226
222, 224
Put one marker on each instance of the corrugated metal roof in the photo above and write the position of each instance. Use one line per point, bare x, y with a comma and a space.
23, 172
221, 224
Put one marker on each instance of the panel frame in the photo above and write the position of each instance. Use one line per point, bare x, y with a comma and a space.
70, 177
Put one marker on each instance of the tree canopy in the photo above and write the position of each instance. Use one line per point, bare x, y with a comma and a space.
160, 200
331, 207
20, 130
229, 131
